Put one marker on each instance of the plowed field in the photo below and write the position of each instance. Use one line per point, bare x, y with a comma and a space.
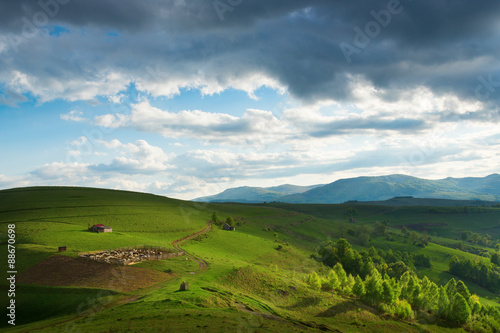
65, 271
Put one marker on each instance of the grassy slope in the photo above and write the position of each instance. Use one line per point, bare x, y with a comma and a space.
244, 267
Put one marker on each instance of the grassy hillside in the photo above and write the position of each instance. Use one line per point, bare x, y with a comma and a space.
256, 276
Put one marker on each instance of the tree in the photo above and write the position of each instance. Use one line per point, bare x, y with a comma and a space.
397, 269
342, 247
350, 283
230, 221
215, 218
404, 231
424, 240
460, 310
387, 293
455, 266
367, 269
475, 305
351, 212
332, 282
359, 287
403, 310
430, 298
443, 303
413, 237
475, 238
364, 239
407, 290
314, 281
373, 289
495, 258
380, 229
342, 276
417, 299
462, 289
451, 287
421, 260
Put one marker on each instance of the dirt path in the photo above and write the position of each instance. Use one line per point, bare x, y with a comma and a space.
202, 264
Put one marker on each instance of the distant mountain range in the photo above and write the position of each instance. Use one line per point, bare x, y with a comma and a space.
368, 189
256, 194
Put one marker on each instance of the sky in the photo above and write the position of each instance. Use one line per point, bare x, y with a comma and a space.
188, 98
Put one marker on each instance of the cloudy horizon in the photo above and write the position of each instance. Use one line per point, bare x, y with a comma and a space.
188, 98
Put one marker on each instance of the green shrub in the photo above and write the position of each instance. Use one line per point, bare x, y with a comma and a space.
402, 309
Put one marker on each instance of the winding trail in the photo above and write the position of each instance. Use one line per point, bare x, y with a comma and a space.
202, 264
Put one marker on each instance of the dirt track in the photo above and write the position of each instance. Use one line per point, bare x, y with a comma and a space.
176, 244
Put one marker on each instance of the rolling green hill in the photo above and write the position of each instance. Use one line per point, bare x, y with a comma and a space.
255, 279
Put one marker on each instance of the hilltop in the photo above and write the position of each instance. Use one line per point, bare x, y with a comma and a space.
372, 189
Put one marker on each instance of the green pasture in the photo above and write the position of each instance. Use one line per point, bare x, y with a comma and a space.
480, 220
35, 303
246, 272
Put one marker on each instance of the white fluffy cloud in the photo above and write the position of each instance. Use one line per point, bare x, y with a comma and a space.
73, 115
73, 88
138, 157
254, 127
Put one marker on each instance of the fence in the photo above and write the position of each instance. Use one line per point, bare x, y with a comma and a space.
131, 254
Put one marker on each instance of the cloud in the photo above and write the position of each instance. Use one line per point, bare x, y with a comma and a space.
61, 172
432, 71
254, 127
11, 98
290, 46
73, 116
136, 158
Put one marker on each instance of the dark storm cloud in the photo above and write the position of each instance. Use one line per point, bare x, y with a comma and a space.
445, 45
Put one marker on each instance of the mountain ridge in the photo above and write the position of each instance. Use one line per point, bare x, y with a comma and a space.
368, 188
256, 194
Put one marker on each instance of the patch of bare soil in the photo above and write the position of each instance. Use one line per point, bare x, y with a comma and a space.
76, 272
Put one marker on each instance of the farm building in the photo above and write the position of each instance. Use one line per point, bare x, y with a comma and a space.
228, 227
100, 228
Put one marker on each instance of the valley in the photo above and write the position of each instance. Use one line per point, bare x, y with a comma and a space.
257, 278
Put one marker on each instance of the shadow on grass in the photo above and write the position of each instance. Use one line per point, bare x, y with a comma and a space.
347, 306
305, 302
425, 318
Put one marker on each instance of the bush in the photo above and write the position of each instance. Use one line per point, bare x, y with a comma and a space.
314, 281
403, 310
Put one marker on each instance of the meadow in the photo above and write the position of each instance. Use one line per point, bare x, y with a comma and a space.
256, 278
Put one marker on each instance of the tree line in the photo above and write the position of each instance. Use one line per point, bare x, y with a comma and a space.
395, 264
485, 274
403, 295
